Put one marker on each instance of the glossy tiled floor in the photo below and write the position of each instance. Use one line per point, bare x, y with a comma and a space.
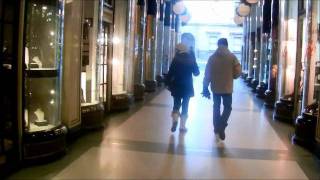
138, 144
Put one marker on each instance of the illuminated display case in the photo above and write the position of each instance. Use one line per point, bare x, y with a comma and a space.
287, 79
91, 107
42, 79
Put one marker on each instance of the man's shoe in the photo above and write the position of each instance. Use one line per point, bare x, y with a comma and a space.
174, 126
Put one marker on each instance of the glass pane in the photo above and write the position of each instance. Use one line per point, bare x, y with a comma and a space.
103, 67
90, 53
43, 104
41, 34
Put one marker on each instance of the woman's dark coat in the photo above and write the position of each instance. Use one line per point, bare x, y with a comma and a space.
179, 77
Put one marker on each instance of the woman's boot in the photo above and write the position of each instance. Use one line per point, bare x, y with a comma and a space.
183, 119
175, 118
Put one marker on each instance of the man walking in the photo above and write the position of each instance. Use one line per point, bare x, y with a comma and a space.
221, 69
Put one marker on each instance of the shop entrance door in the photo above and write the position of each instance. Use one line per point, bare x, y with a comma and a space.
9, 134
106, 55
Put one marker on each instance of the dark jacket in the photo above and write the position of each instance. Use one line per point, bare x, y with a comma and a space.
179, 78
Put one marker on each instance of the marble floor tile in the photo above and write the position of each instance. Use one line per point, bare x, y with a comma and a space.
109, 163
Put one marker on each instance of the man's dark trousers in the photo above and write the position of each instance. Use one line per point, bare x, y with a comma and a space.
220, 120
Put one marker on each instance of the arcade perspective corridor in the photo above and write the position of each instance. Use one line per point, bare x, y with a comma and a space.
139, 145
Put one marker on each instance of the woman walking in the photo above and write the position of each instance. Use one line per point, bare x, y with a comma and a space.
180, 83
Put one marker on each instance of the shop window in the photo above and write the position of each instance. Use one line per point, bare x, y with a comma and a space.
90, 30
104, 57
43, 52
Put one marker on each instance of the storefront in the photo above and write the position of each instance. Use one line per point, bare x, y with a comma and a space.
44, 135
306, 123
91, 103
290, 60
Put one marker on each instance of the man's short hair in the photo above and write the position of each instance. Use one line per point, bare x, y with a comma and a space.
223, 42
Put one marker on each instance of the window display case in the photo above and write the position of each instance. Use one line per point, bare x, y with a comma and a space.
288, 78
10, 136
91, 107
120, 98
42, 79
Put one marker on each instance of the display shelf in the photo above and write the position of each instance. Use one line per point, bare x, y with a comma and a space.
43, 72
34, 128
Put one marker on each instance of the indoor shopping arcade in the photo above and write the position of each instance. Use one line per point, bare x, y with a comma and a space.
85, 91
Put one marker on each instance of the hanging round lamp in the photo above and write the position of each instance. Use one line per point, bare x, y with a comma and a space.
179, 7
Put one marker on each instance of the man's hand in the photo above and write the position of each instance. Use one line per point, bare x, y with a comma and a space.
205, 93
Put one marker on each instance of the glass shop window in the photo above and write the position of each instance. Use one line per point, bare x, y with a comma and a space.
43, 52
104, 57
89, 81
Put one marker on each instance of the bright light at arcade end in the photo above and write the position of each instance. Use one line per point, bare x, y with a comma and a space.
242, 11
